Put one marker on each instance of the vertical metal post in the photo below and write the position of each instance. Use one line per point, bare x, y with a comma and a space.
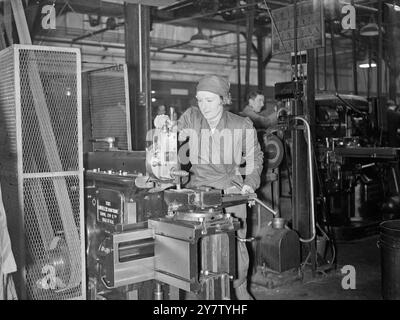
296, 74
379, 62
301, 195
355, 77
324, 63
325, 72
249, 43
311, 90
239, 84
333, 48
260, 62
300, 207
369, 72
317, 68
381, 106
393, 30
310, 114
137, 54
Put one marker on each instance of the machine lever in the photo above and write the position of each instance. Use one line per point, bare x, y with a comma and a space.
274, 212
179, 173
251, 239
109, 140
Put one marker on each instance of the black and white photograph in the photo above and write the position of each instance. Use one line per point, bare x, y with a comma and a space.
185, 155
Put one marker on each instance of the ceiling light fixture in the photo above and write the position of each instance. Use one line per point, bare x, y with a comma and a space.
371, 29
199, 39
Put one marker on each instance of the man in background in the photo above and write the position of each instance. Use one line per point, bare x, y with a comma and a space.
253, 111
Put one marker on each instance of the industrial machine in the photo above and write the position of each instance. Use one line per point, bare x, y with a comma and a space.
195, 242
120, 247
356, 170
358, 174
145, 232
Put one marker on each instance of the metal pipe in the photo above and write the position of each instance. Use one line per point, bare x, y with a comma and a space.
274, 212
395, 180
240, 187
360, 6
311, 175
368, 165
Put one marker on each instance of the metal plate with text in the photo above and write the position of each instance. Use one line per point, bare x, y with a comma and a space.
310, 27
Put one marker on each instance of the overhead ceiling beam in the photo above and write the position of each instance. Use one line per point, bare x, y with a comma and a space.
194, 14
176, 4
359, 6
122, 47
210, 24
90, 34
101, 8
110, 8
154, 3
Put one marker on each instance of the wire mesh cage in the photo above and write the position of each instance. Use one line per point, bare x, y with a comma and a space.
41, 169
109, 106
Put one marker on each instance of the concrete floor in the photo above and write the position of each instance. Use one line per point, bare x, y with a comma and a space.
363, 254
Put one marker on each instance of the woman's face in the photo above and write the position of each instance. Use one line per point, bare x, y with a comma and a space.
210, 104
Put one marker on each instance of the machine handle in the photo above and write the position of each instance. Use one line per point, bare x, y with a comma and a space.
251, 239
274, 212
109, 140
179, 173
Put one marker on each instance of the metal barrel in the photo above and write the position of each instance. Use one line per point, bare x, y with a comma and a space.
389, 244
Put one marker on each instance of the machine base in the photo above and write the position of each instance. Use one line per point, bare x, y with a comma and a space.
271, 279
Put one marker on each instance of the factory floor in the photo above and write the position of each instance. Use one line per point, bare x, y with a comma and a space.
363, 254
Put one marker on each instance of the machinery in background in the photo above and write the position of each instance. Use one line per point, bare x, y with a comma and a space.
356, 170
357, 173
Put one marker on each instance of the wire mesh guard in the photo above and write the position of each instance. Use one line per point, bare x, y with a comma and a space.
54, 272
108, 106
49, 79
50, 177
